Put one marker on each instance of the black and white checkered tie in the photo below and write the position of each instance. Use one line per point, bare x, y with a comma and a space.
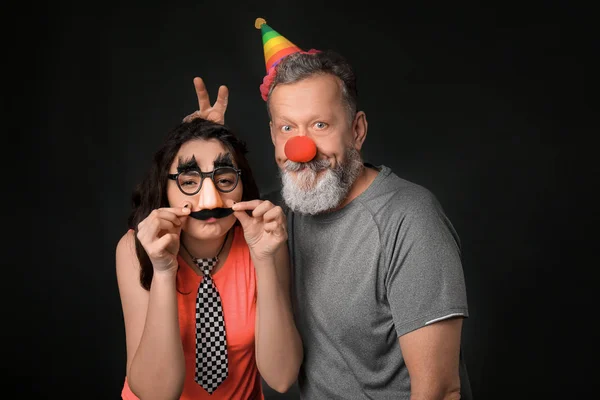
211, 340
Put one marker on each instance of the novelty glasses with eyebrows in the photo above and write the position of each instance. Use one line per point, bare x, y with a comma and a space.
190, 181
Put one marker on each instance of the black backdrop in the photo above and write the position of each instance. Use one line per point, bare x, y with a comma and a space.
489, 107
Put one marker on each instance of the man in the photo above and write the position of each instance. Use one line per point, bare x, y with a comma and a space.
378, 287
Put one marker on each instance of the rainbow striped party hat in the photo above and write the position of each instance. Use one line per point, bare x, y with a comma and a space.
274, 44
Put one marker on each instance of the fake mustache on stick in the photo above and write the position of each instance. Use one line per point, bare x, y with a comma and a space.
212, 213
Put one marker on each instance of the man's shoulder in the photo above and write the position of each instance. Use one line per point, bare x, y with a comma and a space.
394, 190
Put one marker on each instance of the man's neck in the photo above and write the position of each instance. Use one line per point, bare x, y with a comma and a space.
364, 180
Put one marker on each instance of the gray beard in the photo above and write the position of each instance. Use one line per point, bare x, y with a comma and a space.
305, 194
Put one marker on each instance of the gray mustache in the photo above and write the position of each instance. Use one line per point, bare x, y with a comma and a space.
315, 165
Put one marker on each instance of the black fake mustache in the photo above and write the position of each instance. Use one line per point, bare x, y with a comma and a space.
211, 213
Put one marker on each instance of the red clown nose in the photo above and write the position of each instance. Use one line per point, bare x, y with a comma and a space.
300, 149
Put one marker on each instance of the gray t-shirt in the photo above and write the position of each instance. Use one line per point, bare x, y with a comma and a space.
386, 264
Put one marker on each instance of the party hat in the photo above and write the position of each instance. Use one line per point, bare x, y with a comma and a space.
274, 44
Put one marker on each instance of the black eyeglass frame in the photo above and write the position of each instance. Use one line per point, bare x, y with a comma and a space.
211, 175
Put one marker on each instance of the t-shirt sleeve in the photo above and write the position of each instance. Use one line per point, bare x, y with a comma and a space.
425, 281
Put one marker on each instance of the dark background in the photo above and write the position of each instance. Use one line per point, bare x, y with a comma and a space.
490, 107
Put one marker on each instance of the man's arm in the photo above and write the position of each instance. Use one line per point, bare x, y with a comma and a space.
432, 356
215, 112
427, 295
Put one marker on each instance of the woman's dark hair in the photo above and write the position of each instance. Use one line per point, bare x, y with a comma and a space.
151, 192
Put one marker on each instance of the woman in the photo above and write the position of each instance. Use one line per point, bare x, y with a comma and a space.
203, 276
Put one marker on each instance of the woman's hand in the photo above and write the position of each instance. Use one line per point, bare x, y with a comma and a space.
265, 230
159, 234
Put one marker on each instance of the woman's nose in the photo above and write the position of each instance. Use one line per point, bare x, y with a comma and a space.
209, 197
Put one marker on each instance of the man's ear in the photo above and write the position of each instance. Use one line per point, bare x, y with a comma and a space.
359, 129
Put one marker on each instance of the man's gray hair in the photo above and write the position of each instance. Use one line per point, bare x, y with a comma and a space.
299, 66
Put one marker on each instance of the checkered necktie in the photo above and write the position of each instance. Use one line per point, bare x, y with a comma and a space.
211, 341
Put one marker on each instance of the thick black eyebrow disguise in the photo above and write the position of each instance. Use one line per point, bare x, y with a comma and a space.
187, 164
190, 164
223, 160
